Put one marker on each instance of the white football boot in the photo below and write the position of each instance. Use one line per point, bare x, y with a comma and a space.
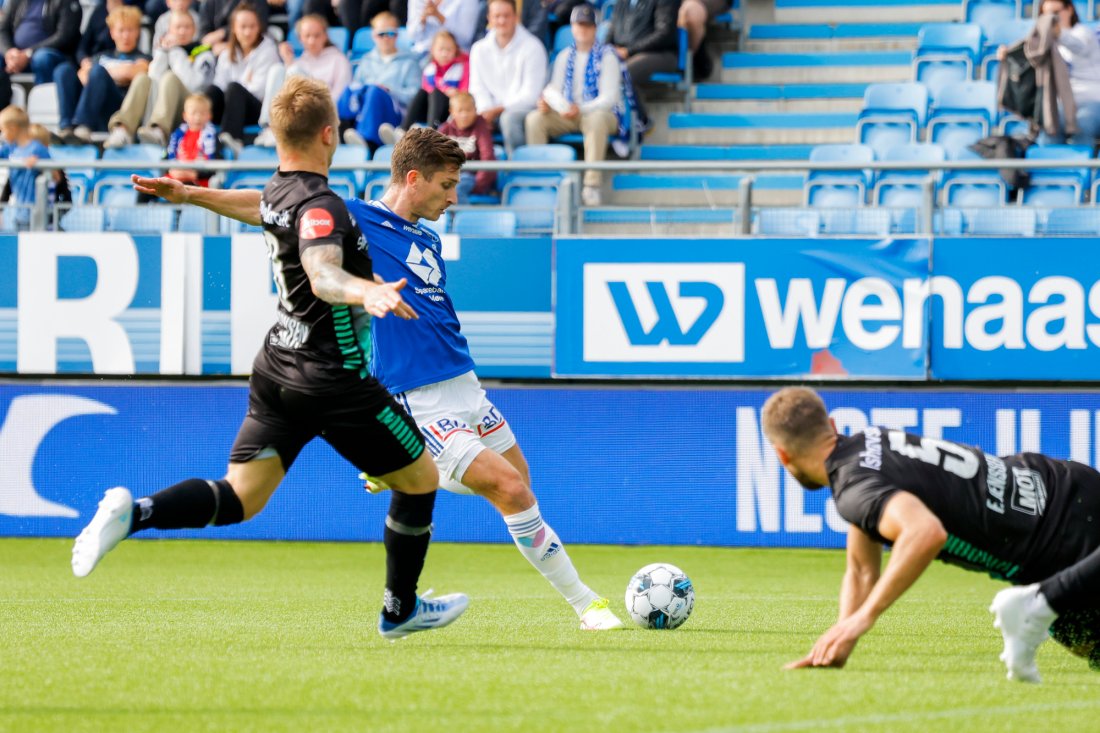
109, 526
1024, 618
430, 613
598, 617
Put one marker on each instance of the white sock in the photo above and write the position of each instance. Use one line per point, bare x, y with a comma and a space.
542, 547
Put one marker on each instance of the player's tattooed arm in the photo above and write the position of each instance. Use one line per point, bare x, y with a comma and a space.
242, 205
331, 283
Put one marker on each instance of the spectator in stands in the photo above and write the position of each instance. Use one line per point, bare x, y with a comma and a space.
356, 14
447, 73
475, 137
179, 67
196, 139
95, 38
583, 95
644, 35
89, 96
216, 19
427, 17
694, 15
165, 19
17, 144
240, 77
320, 60
507, 72
37, 36
544, 17
1078, 46
384, 83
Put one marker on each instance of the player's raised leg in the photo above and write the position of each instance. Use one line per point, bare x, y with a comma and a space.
193, 503
503, 480
1024, 617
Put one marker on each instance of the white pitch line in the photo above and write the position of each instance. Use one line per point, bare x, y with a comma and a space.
903, 717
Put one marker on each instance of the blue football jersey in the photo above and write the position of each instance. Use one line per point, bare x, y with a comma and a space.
411, 354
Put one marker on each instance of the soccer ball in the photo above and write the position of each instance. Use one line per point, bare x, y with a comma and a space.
660, 596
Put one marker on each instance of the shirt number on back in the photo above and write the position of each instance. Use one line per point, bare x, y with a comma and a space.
948, 456
277, 271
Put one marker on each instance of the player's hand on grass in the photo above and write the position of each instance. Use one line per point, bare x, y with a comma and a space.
386, 298
834, 646
169, 189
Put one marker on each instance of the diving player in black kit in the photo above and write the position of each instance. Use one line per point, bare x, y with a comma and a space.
1028, 519
310, 378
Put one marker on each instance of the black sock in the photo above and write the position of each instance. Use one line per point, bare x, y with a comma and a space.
192, 503
406, 537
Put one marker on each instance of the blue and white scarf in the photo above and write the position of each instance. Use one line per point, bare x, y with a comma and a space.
592, 83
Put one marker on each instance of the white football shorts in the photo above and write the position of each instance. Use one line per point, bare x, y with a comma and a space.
458, 422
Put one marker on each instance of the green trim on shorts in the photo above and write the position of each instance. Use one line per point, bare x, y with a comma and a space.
406, 436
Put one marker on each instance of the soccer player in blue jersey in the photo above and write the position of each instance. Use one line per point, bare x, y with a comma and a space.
427, 364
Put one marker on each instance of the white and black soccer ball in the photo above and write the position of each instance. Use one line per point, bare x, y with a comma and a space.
660, 596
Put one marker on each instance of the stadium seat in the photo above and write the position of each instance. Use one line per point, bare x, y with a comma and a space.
535, 209
42, 106
892, 114
354, 180
80, 179
84, 219
362, 43
1077, 220
788, 222
192, 220
988, 14
950, 41
681, 79
1004, 33
937, 73
116, 195
905, 188
138, 155
563, 39
989, 191
1075, 179
142, 219
485, 223
552, 153
252, 154
440, 226
839, 188
962, 113
376, 185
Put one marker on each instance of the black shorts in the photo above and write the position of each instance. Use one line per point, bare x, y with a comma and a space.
365, 425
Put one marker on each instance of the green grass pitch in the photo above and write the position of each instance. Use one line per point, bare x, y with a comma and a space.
220, 636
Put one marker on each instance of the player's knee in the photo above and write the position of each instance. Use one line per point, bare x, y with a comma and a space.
510, 489
410, 514
419, 477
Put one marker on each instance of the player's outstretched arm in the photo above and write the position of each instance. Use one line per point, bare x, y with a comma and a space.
331, 283
242, 205
917, 536
862, 572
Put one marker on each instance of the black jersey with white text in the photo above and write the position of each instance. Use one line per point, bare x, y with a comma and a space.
314, 347
1011, 517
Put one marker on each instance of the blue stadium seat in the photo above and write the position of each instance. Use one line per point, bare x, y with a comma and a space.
552, 153
362, 43
1078, 220
950, 40
892, 114
135, 154
1004, 33
80, 179
839, 188
117, 195
485, 223
789, 222
971, 191
252, 154
906, 188
937, 73
535, 209
84, 219
142, 219
355, 180
681, 79
192, 220
1057, 186
563, 39
988, 14
440, 226
376, 186
962, 114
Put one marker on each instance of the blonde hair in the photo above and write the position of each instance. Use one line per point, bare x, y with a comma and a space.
13, 115
40, 133
126, 15
301, 110
795, 418
316, 18
384, 15
180, 14
199, 98
461, 97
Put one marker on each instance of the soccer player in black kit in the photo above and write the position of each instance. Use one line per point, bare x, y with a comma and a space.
310, 378
1028, 519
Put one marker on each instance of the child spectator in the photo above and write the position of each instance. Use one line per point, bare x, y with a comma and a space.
475, 136
17, 145
87, 98
195, 139
165, 19
447, 72
382, 87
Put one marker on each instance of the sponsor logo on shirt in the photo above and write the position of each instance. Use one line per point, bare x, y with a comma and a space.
275, 218
995, 480
424, 264
316, 223
871, 456
1030, 494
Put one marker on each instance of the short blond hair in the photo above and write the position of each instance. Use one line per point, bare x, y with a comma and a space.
385, 15
126, 15
301, 110
13, 115
795, 419
39, 133
199, 98
461, 97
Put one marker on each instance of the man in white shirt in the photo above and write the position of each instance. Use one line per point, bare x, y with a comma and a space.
507, 72
428, 17
585, 89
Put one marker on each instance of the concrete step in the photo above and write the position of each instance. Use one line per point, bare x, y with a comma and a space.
832, 45
857, 11
741, 98
654, 221
730, 152
750, 106
799, 68
757, 129
820, 37
708, 190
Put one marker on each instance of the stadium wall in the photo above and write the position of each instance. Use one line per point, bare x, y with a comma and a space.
610, 464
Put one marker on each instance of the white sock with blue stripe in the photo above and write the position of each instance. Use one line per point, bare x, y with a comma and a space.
540, 544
